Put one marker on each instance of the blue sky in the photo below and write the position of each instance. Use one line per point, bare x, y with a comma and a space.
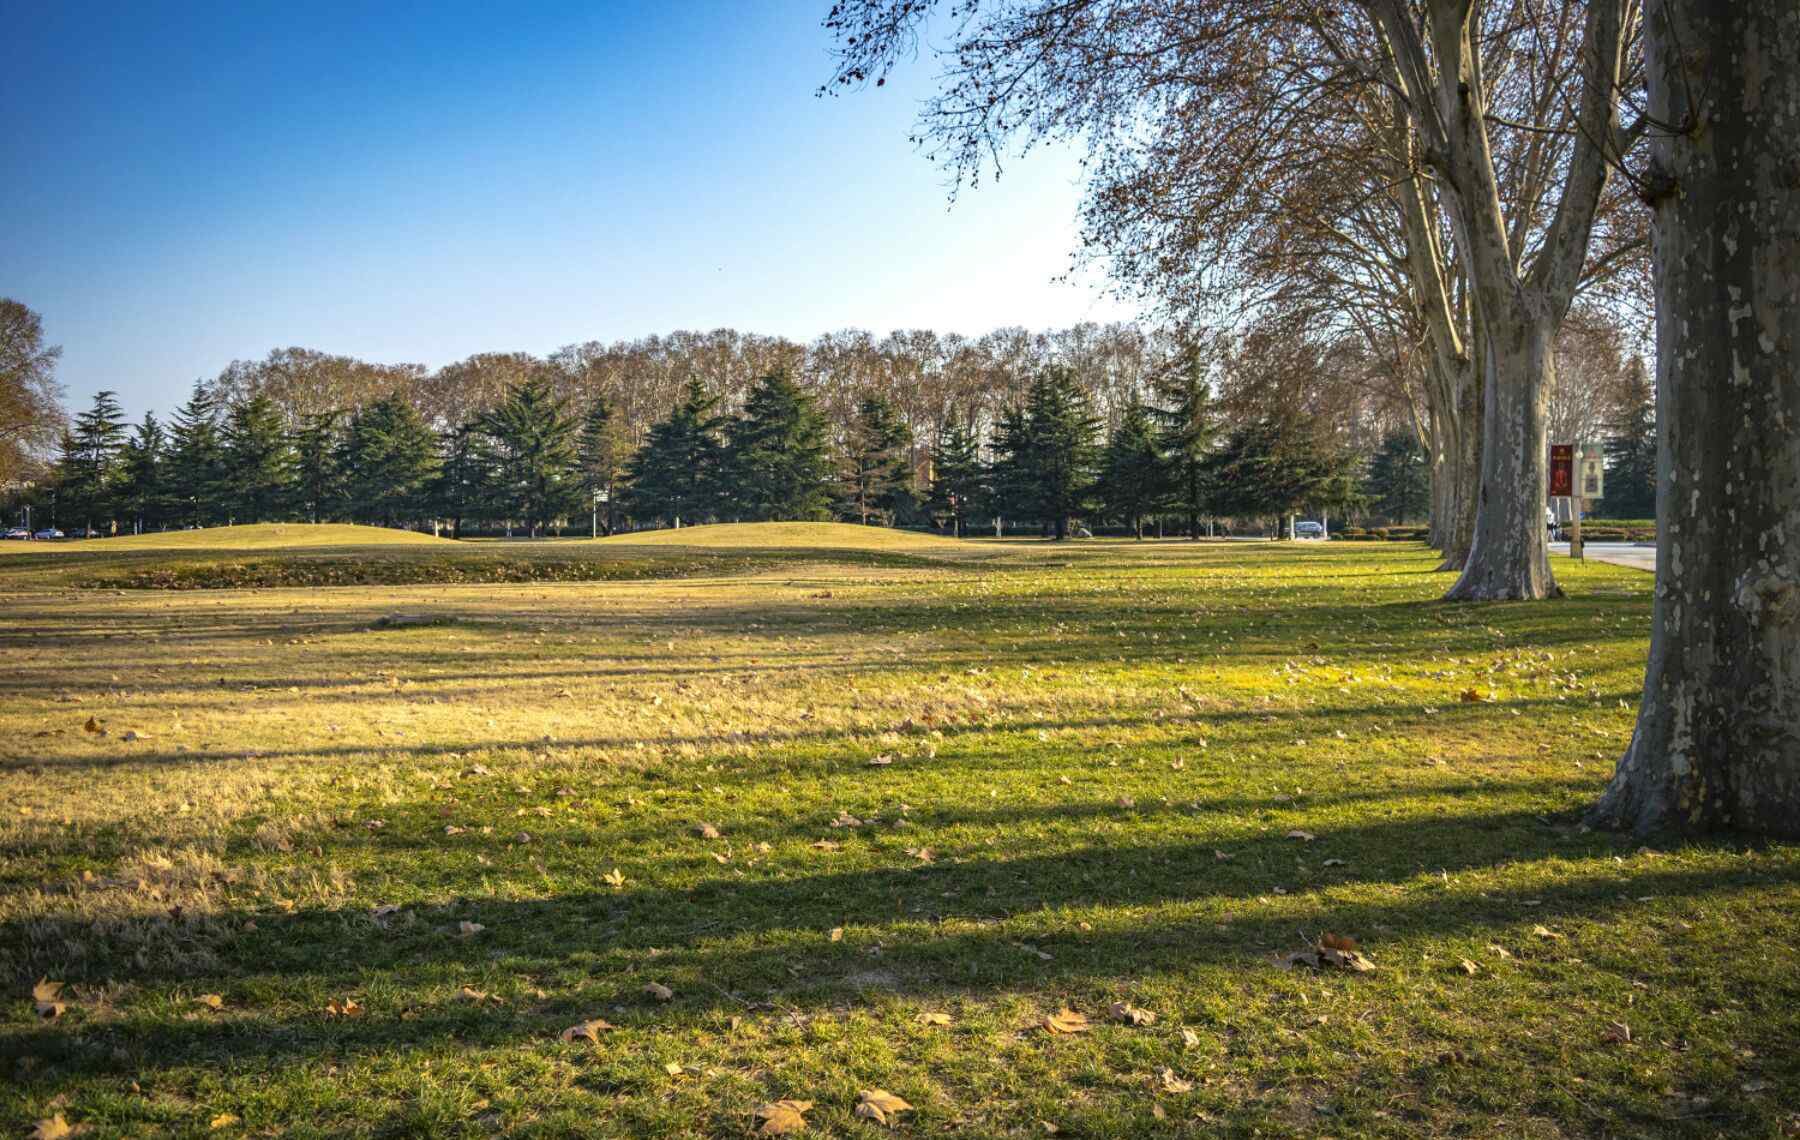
191, 183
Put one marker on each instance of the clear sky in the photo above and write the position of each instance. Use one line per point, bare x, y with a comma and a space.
186, 184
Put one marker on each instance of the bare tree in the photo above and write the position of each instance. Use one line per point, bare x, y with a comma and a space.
1717, 743
31, 411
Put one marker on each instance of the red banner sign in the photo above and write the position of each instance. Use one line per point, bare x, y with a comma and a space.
1562, 470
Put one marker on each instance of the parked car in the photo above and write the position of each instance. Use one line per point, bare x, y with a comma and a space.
48, 532
18, 532
1309, 529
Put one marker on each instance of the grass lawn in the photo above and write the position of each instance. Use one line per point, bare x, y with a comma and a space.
800, 818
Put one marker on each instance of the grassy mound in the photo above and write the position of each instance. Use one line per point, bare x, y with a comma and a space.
797, 536
262, 536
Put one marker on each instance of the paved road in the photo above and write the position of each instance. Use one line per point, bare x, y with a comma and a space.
1618, 553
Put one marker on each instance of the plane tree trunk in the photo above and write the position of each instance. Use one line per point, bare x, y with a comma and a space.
1717, 744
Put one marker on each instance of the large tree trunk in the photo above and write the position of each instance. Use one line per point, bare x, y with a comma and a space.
1717, 743
1509, 558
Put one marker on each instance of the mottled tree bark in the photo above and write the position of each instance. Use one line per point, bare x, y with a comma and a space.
1717, 743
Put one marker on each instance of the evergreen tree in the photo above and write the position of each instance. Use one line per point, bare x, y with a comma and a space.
1279, 465
958, 485
141, 490
777, 467
675, 474
1399, 482
388, 457
258, 461
1631, 451
877, 462
462, 487
532, 451
318, 486
1009, 474
88, 469
196, 469
1061, 429
1133, 477
1188, 430
603, 450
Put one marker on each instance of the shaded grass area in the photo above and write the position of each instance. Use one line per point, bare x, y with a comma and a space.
1093, 761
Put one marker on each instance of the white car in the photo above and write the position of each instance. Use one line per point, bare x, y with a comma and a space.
48, 533
1309, 529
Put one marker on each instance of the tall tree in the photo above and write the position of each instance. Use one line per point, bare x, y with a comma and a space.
532, 448
259, 461
1189, 428
958, 485
1631, 450
877, 460
1399, 480
1279, 465
142, 494
463, 486
675, 474
1717, 744
1010, 491
88, 470
603, 450
318, 486
196, 469
1060, 431
31, 412
388, 457
776, 462
1134, 479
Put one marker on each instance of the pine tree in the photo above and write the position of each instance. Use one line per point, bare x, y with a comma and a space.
675, 474
259, 461
1278, 465
141, 463
1188, 431
196, 468
88, 469
462, 488
1134, 480
1631, 451
777, 467
318, 486
1008, 485
958, 484
388, 457
1399, 482
1061, 428
877, 462
532, 449
603, 450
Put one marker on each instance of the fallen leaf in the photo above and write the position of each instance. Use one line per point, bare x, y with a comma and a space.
1467, 967
1221, 856
1173, 1083
1303, 836
55, 1128
708, 831
1066, 1021
46, 994
349, 1007
781, 1116
223, 1120
1546, 933
616, 878
468, 928
880, 1106
479, 997
93, 726
837, 934
589, 1030
210, 1001
1333, 863
1190, 1038
881, 761
1131, 1015
1617, 1033
932, 1017
673, 1068
659, 991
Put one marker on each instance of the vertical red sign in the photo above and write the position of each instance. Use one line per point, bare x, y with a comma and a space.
1562, 470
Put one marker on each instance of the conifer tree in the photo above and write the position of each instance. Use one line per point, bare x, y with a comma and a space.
675, 474
958, 485
196, 468
1399, 482
258, 461
531, 446
603, 450
388, 458
141, 491
1187, 432
87, 471
877, 462
1133, 477
1009, 473
1631, 451
318, 487
1061, 428
462, 488
777, 467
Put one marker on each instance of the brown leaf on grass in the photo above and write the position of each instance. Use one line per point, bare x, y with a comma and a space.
1066, 1020
882, 760
55, 1128
1334, 952
1124, 1011
932, 1017
1221, 856
479, 997
93, 726
1302, 836
614, 878
1499, 950
1617, 1033
223, 1120
1467, 967
349, 1007
1190, 1038
468, 929
708, 831
826, 845
1173, 1083
47, 994
659, 991
673, 1068
1546, 933
881, 1106
837, 934
781, 1116
589, 1030
1471, 696
211, 1001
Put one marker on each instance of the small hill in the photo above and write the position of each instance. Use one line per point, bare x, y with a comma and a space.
798, 536
262, 536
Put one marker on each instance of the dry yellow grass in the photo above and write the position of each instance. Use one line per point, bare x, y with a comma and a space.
801, 535
262, 536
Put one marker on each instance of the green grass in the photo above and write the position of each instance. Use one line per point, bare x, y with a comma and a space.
1096, 755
